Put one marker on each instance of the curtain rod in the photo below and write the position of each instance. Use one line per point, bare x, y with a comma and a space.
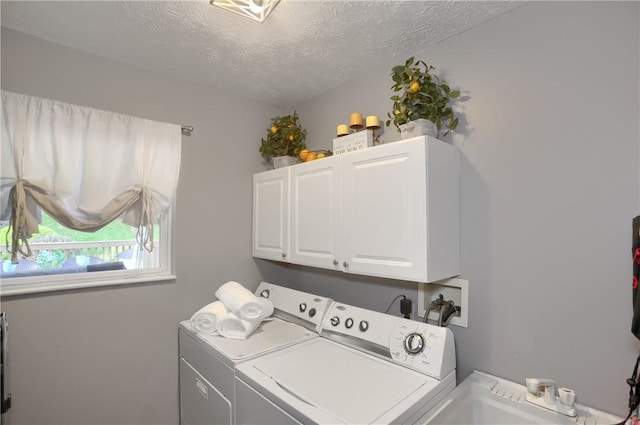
187, 129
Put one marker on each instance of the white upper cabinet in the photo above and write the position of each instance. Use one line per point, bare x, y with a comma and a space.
390, 211
315, 213
271, 214
401, 211
384, 211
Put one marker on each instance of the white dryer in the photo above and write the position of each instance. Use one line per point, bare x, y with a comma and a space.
208, 363
367, 368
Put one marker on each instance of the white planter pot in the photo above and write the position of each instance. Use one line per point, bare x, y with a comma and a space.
283, 161
419, 127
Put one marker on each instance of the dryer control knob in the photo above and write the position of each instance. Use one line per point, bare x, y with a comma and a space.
303, 307
348, 323
264, 293
364, 325
312, 312
335, 321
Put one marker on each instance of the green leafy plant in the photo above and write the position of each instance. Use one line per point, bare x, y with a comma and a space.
422, 95
51, 259
285, 137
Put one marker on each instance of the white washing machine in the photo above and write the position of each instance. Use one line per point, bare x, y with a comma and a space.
367, 368
207, 363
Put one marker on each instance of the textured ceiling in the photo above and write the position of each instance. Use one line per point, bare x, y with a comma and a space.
302, 50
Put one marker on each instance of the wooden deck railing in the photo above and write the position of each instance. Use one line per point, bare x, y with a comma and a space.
52, 254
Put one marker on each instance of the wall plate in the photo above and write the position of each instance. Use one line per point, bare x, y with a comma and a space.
451, 289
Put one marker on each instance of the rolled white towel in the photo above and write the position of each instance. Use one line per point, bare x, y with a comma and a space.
207, 319
240, 301
231, 326
267, 307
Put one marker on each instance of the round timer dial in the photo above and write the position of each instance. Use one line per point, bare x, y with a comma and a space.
414, 343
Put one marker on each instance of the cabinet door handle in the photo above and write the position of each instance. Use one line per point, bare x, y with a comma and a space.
345, 264
284, 255
335, 262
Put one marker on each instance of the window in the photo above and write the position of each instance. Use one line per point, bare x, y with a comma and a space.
57, 163
69, 259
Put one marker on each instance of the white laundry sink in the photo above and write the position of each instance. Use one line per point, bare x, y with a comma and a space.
484, 399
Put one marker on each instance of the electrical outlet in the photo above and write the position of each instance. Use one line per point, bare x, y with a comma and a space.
453, 289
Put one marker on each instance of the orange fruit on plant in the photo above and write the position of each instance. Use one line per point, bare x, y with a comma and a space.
274, 129
415, 86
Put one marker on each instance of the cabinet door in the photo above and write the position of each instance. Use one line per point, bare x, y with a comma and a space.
384, 211
315, 213
270, 214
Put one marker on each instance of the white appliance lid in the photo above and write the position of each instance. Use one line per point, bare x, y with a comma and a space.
269, 336
351, 386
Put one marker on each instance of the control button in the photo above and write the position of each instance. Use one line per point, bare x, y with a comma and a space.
303, 307
312, 312
335, 321
364, 325
414, 343
348, 323
264, 293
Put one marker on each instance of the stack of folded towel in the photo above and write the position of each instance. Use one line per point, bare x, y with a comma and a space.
236, 314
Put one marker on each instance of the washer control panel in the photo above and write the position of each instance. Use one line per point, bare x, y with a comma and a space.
420, 346
426, 348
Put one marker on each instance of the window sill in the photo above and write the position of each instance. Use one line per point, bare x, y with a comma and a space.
63, 282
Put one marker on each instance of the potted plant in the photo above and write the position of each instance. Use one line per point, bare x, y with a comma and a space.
285, 138
422, 96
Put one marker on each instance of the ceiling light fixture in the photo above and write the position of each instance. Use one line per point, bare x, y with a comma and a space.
258, 10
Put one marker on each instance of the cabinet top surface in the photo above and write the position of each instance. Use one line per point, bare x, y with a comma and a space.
397, 144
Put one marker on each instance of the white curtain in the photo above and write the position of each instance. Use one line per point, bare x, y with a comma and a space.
85, 167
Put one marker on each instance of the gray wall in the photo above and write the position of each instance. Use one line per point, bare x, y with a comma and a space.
110, 355
550, 149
